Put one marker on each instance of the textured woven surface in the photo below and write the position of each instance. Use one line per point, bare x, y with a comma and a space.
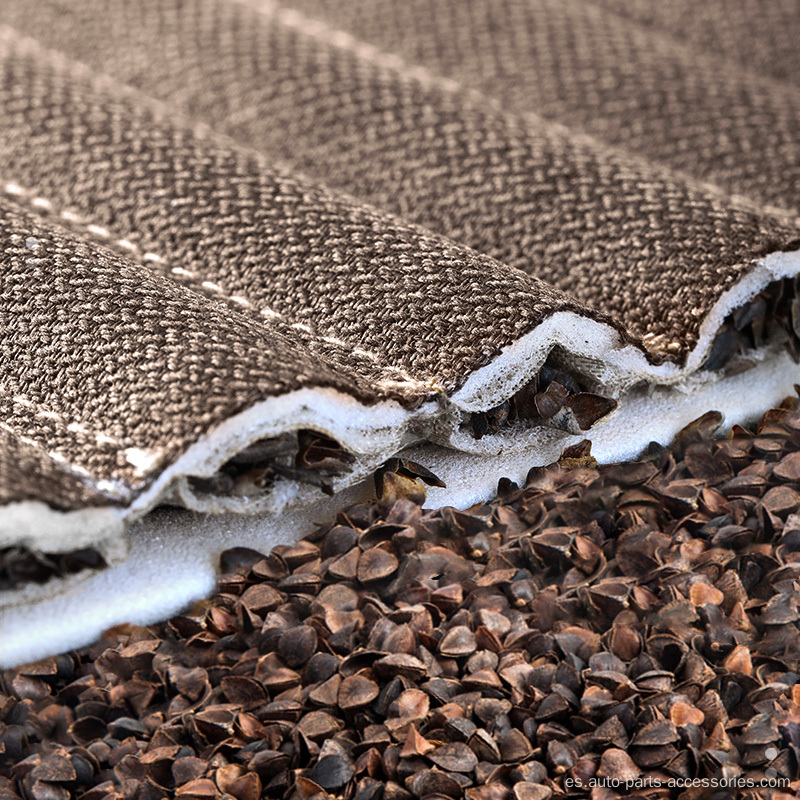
208, 204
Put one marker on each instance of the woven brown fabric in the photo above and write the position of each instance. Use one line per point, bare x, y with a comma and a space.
29, 473
208, 204
467, 157
704, 109
756, 35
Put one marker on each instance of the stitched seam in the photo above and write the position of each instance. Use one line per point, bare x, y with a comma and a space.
140, 459
100, 232
405, 70
676, 41
342, 40
84, 473
326, 34
336, 37
113, 489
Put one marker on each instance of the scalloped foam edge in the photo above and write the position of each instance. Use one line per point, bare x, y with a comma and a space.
655, 403
174, 552
375, 433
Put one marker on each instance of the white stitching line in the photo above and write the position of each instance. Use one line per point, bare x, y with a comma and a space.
112, 489
141, 459
97, 230
392, 62
51, 453
660, 342
342, 40
74, 427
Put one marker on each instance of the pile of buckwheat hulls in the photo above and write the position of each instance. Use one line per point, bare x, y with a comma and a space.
634, 623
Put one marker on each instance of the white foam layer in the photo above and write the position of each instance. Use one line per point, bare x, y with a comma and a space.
643, 416
173, 560
174, 552
377, 432
33, 524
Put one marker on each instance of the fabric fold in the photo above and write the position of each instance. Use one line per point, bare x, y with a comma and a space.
609, 226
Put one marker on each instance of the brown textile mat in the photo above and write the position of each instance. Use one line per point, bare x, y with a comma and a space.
486, 228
